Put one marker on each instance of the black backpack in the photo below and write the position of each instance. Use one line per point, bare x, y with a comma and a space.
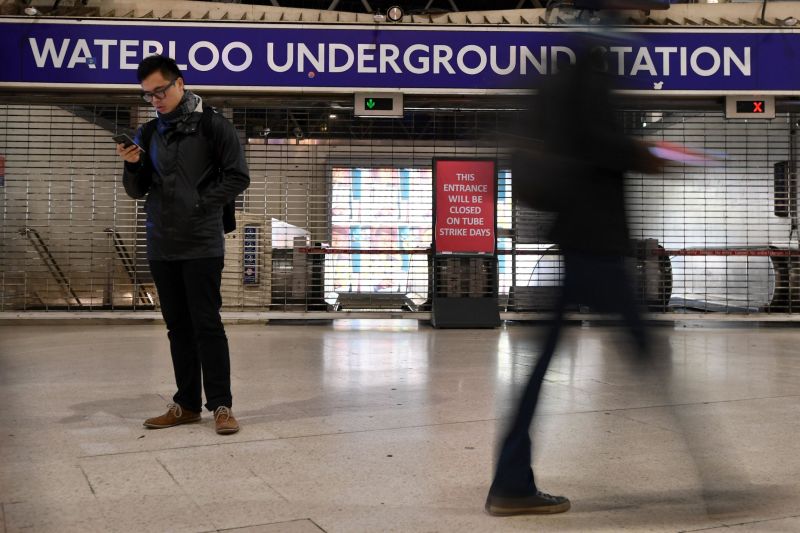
207, 131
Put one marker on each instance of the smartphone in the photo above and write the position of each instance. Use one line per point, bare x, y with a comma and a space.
125, 140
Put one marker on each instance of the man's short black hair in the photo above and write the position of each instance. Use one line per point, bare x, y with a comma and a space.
166, 65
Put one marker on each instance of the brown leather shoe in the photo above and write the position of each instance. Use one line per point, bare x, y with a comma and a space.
174, 416
226, 423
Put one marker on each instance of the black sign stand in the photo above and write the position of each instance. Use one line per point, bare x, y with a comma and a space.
465, 285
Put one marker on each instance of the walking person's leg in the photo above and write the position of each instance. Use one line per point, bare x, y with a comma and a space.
168, 277
622, 299
203, 279
513, 489
724, 485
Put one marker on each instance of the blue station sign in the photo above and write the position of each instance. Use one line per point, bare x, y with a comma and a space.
78, 54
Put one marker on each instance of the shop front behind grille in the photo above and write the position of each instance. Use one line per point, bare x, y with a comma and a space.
338, 214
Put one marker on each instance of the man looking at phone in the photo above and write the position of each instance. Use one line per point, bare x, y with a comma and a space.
187, 175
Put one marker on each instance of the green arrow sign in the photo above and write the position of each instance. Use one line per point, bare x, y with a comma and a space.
375, 105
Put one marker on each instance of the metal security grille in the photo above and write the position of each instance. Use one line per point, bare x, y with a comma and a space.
725, 229
338, 214
376, 215
70, 236
349, 200
713, 235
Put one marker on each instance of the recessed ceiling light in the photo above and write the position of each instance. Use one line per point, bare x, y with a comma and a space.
394, 14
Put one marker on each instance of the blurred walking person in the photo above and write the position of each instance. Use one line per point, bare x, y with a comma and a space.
579, 172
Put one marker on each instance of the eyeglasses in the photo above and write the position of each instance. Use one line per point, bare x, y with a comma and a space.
159, 94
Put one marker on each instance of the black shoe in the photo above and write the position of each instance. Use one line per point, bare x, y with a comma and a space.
537, 503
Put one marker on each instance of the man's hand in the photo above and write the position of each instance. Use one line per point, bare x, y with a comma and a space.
130, 154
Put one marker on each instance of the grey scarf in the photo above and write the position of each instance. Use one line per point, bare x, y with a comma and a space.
188, 105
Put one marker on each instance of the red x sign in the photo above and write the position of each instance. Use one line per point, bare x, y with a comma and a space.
758, 106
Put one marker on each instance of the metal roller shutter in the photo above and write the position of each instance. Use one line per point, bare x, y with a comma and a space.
339, 212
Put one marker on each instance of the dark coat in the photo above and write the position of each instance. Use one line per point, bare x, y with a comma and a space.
185, 194
581, 123
584, 151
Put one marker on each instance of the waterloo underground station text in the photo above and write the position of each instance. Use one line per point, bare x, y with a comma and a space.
367, 58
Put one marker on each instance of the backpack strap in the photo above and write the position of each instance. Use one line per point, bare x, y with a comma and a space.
148, 129
207, 131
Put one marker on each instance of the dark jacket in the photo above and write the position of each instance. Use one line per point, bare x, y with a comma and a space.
584, 142
581, 123
185, 194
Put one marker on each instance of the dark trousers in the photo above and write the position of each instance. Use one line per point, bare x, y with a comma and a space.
189, 292
602, 282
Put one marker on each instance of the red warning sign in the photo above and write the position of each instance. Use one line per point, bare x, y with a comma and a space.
465, 195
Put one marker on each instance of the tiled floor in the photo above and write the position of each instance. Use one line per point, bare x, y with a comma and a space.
390, 426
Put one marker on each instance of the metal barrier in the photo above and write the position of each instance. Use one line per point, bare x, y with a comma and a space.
52, 266
129, 264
